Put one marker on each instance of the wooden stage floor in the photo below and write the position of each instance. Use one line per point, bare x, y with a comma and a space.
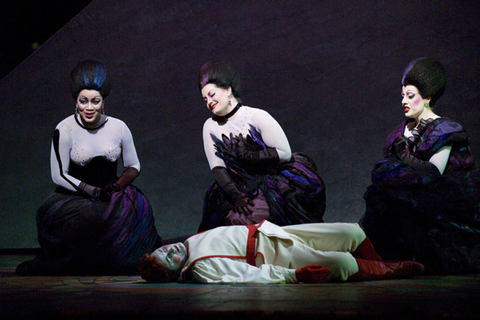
129, 297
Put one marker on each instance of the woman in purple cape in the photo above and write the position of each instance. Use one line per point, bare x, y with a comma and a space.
424, 200
95, 222
256, 175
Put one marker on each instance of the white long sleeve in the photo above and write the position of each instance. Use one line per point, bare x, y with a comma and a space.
440, 158
224, 270
272, 133
72, 143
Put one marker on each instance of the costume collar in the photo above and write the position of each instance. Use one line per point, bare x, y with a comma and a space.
102, 122
223, 119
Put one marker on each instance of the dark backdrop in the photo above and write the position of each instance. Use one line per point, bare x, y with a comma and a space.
328, 71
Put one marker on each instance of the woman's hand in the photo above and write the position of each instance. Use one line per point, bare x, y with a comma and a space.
95, 192
399, 145
235, 146
111, 188
243, 205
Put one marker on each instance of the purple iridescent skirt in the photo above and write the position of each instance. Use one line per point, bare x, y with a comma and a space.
82, 236
292, 193
431, 219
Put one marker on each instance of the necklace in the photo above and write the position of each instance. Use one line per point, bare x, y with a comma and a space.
231, 113
223, 119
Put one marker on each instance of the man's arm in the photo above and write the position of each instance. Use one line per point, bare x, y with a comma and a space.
223, 270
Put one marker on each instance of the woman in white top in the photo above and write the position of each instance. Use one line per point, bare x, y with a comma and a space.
256, 175
95, 222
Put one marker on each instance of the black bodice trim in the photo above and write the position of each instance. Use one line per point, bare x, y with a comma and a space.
98, 172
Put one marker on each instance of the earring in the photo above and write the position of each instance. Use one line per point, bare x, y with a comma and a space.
230, 102
76, 111
426, 104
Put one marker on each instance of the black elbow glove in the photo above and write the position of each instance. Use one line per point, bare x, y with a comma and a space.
399, 145
239, 200
126, 179
94, 192
418, 164
237, 147
399, 149
266, 157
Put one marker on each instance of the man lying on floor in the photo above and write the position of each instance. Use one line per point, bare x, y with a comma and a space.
267, 253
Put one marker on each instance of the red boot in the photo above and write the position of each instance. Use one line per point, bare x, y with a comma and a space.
366, 251
382, 270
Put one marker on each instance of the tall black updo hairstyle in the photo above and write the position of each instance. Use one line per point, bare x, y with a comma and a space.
222, 74
428, 76
90, 75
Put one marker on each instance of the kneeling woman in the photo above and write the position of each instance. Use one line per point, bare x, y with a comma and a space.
424, 200
95, 222
256, 175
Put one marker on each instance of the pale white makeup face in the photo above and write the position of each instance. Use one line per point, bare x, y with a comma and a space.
89, 104
173, 255
217, 99
413, 103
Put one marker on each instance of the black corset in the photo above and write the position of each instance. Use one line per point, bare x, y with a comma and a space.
98, 172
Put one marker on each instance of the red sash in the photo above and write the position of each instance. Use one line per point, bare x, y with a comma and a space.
251, 242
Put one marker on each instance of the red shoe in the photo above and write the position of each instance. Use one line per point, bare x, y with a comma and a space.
381, 270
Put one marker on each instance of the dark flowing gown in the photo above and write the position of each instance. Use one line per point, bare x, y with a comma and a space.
294, 190
79, 235
413, 215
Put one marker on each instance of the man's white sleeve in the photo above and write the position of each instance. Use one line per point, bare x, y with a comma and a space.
224, 270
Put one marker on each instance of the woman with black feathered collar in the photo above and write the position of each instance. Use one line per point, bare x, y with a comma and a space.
424, 200
256, 175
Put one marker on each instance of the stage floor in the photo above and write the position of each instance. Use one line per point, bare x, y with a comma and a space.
129, 297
